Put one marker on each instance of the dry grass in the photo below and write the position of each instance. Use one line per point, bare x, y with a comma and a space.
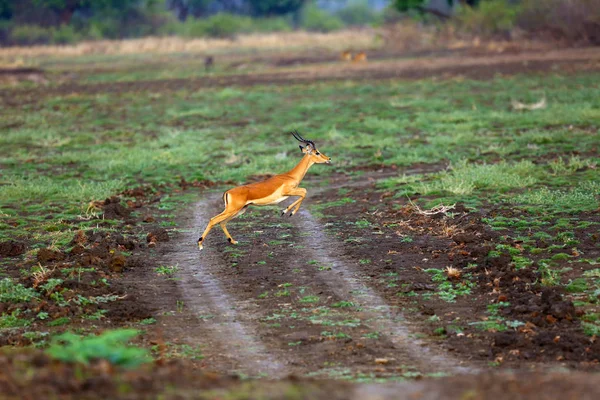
414, 36
363, 38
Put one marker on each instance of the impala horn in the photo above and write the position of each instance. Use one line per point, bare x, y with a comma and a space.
302, 140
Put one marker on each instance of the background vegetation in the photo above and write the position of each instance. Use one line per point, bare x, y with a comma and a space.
32, 22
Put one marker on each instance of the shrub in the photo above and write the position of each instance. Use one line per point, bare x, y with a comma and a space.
220, 25
110, 346
65, 34
271, 25
27, 35
491, 18
573, 20
315, 19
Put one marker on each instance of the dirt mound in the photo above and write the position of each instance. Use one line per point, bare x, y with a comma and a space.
113, 209
157, 235
12, 248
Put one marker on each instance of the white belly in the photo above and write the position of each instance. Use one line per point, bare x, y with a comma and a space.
267, 201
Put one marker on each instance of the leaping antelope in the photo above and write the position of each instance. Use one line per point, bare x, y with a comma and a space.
271, 191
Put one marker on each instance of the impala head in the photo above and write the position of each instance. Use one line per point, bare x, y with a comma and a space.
308, 147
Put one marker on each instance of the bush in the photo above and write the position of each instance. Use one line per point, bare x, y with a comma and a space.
5, 28
315, 19
573, 20
27, 35
491, 18
65, 34
271, 25
220, 25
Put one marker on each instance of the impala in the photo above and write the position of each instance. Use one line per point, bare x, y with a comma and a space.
271, 191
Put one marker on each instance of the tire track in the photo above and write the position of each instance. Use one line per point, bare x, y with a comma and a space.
207, 299
345, 282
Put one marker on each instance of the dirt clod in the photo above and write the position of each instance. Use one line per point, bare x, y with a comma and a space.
114, 210
157, 235
12, 248
47, 255
117, 263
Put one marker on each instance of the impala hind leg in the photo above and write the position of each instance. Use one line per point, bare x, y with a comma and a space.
296, 204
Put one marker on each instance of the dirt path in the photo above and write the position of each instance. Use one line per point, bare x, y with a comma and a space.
285, 301
224, 325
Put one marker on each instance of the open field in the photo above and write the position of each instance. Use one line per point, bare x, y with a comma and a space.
111, 166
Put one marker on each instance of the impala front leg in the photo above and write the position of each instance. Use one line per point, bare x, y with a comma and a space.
295, 205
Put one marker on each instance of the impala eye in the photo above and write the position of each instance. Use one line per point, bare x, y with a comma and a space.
318, 153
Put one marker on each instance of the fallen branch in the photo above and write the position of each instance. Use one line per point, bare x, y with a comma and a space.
518, 106
441, 209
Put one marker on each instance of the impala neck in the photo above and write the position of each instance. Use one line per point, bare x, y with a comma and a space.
299, 170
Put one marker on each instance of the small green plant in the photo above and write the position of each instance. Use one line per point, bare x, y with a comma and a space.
148, 321
110, 346
13, 320
51, 284
371, 335
578, 285
59, 321
343, 304
166, 270
363, 223
12, 292
42, 315
309, 299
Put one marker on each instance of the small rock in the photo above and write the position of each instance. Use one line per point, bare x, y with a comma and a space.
381, 361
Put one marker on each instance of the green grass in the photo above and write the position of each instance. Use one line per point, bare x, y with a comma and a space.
88, 147
465, 178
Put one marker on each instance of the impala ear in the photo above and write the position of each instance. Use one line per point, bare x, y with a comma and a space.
301, 148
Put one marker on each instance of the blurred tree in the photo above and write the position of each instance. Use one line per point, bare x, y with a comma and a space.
267, 8
185, 8
6, 9
422, 6
66, 8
